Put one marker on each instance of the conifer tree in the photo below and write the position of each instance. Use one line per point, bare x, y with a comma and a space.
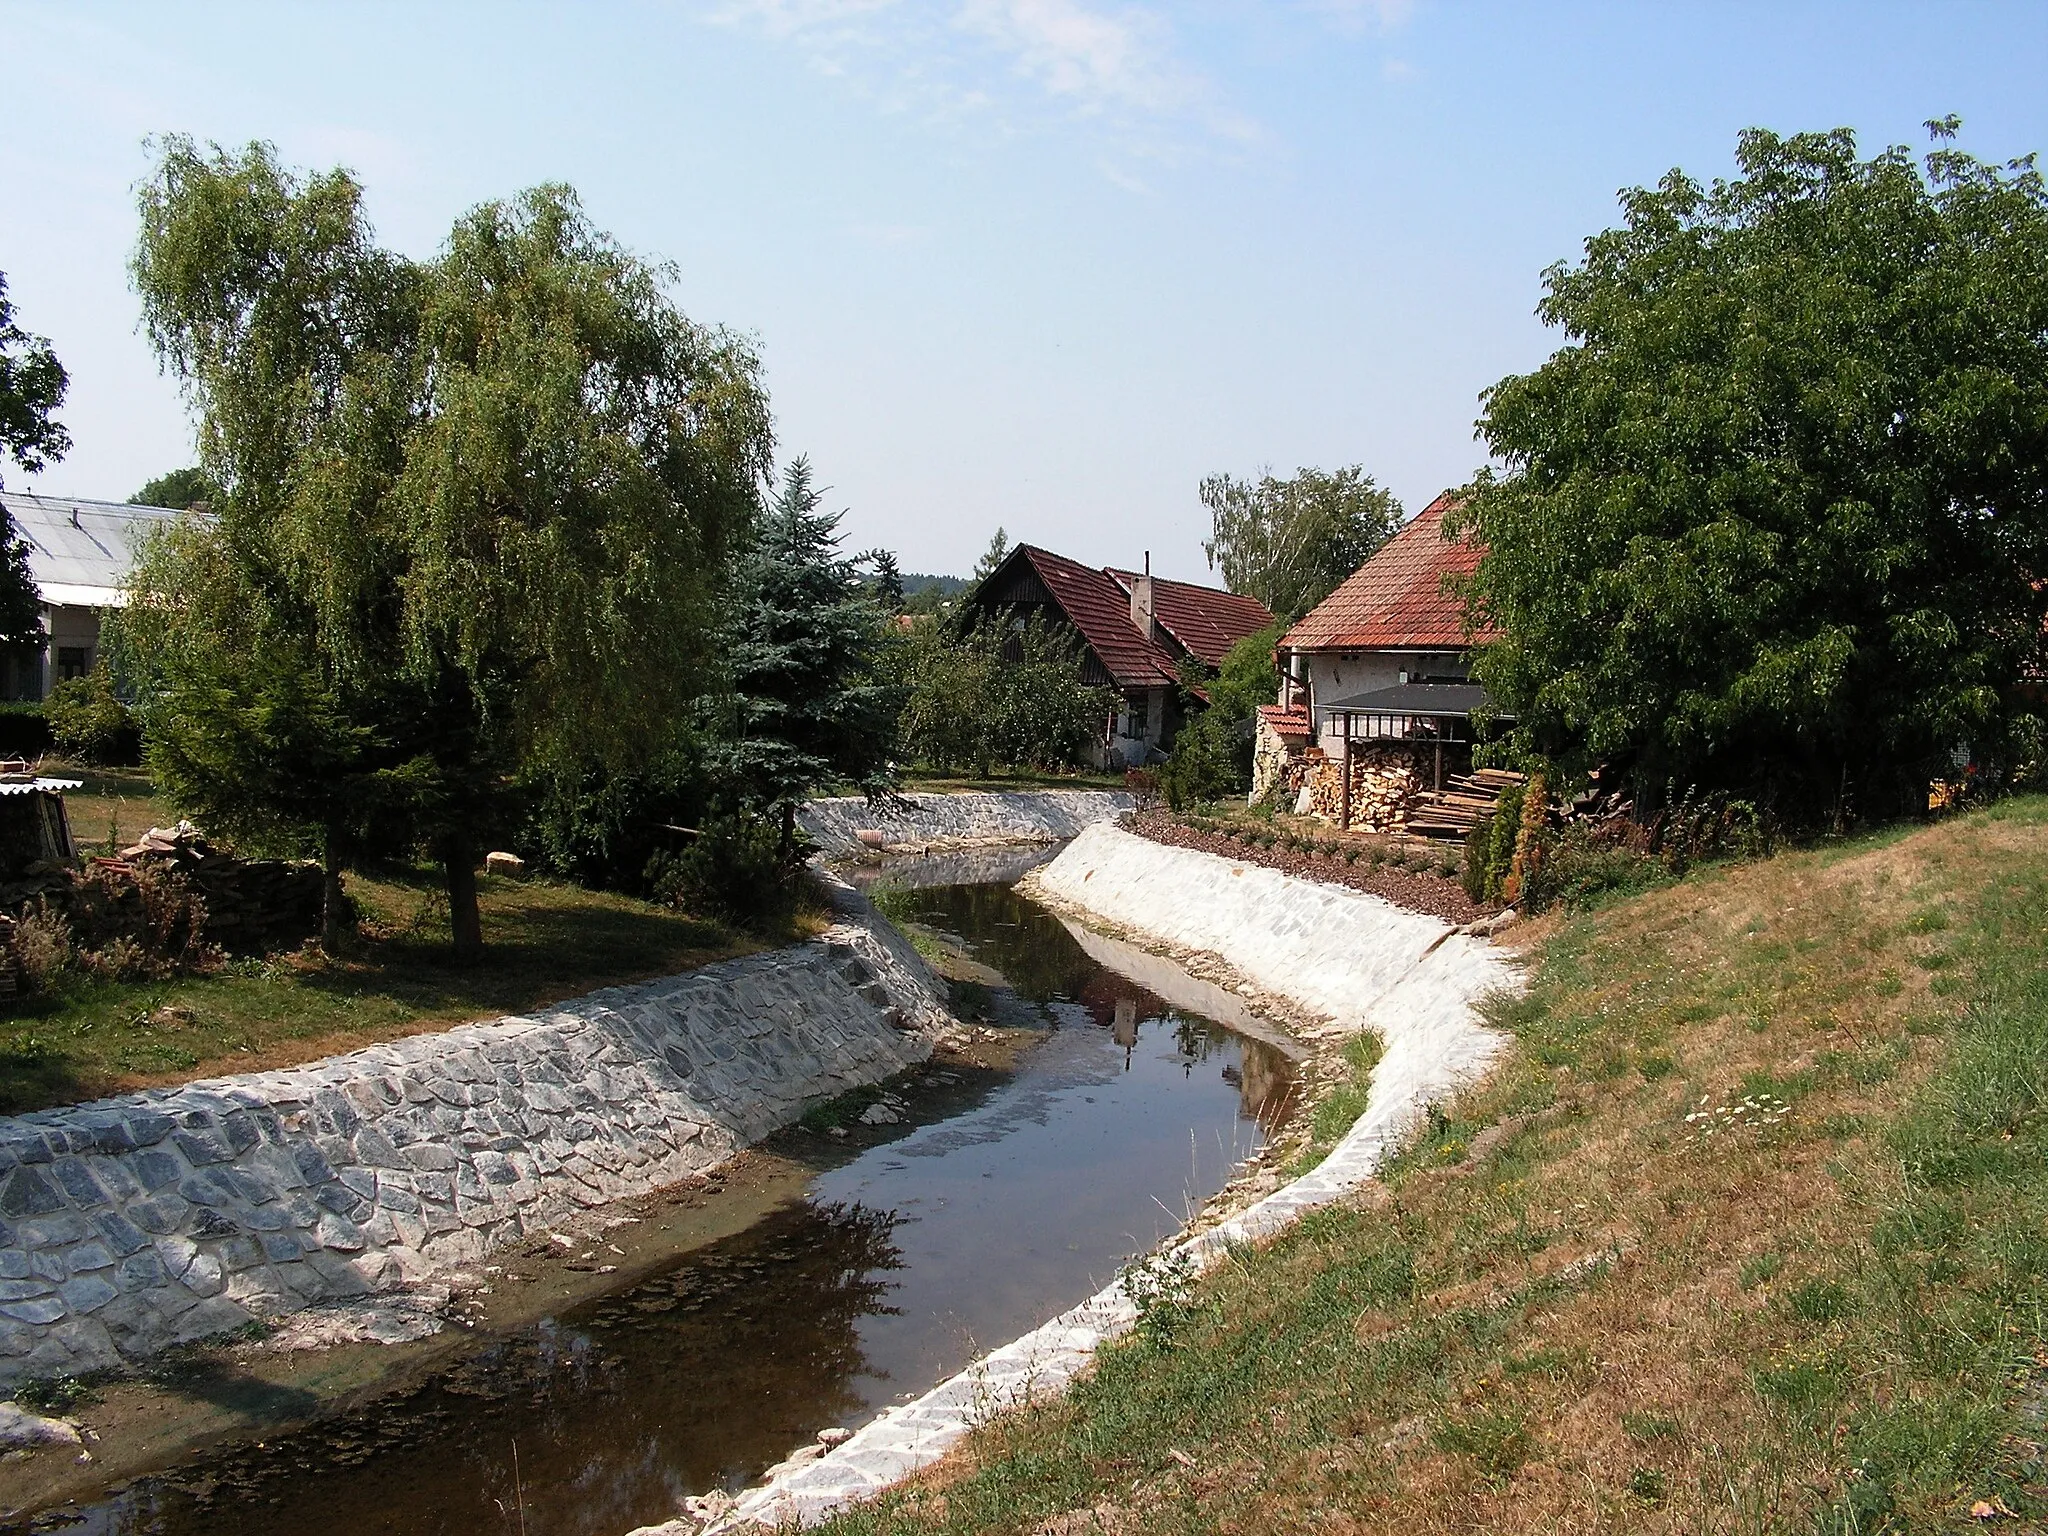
805, 707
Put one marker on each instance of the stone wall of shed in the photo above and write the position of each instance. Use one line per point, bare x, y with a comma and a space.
139, 1222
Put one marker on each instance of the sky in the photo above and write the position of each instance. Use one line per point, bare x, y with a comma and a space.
1036, 264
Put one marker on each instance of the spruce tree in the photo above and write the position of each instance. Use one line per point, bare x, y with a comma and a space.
805, 707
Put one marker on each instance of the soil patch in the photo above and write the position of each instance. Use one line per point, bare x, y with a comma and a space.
1416, 890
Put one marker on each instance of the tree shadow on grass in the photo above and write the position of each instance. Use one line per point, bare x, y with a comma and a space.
543, 944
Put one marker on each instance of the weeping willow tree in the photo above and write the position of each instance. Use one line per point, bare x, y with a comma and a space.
473, 514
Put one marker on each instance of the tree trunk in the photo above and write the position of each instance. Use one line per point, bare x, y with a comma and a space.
337, 913
465, 922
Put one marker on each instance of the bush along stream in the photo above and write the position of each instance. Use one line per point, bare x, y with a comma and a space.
900, 1233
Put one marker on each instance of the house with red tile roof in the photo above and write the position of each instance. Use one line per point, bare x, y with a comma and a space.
1137, 632
1381, 663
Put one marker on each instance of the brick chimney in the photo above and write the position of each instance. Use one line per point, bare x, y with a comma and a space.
1141, 600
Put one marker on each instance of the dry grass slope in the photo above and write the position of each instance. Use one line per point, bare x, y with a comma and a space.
1750, 1234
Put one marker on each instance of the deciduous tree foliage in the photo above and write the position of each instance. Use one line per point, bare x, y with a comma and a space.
32, 385
181, 488
1775, 517
1289, 542
473, 512
1003, 692
1212, 754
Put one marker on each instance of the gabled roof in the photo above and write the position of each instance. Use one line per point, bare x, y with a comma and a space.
1206, 621
1396, 600
1101, 611
1203, 621
80, 552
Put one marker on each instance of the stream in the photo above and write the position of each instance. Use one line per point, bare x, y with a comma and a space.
906, 1256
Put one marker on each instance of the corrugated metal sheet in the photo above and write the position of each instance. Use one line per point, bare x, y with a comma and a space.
38, 786
80, 552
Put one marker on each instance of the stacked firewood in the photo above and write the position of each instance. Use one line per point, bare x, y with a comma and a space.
1384, 786
1465, 800
252, 905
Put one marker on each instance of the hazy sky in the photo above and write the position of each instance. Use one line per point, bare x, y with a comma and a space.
1038, 263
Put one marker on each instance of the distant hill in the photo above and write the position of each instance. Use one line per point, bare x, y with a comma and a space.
915, 582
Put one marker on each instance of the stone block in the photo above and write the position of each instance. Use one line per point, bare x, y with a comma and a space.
87, 1292
201, 1146
239, 1253
140, 1271
34, 1309
88, 1255
164, 1213
28, 1192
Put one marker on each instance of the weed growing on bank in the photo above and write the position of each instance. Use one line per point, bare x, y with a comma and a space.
1580, 1306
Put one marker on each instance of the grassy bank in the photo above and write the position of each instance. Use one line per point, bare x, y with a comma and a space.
545, 942
1749, 1233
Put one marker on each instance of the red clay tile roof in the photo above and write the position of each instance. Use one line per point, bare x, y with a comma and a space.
1101, 610
1396, 600
1205, 621
1286, 721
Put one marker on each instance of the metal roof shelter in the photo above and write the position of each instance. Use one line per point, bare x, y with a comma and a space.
80, 552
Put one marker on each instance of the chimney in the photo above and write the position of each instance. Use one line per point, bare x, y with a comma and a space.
1141, 600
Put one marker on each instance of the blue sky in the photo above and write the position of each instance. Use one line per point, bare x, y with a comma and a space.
1037, 263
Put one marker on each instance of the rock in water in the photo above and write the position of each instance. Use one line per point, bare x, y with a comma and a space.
20, 1429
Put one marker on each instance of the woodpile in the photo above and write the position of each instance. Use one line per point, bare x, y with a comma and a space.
1465, 800
1385, 784
252, 905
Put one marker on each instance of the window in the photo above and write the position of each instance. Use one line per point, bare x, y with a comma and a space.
73, 661
1140, 711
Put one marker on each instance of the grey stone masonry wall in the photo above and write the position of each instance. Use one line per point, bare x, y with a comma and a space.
135, 1223
926, 823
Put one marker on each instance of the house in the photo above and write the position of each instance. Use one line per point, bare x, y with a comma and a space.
1137, 632
1376, 676
79, 553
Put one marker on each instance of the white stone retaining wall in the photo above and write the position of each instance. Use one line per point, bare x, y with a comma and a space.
135, 1223
925, 823
1351, 957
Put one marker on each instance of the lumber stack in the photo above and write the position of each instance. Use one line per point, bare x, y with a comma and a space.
1463, 803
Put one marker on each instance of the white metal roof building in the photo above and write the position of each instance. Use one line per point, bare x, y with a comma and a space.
80, 553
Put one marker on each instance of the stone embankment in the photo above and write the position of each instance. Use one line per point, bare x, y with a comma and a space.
1348, 959
848, 826
136, 1223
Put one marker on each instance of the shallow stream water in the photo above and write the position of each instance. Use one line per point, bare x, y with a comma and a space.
898, 1267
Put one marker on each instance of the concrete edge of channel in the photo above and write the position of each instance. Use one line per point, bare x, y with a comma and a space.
1423, 1004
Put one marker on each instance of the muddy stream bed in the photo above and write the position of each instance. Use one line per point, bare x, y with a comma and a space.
729, 1321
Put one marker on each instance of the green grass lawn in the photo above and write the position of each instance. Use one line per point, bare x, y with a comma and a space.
545, 942
114, 807
1748, 1233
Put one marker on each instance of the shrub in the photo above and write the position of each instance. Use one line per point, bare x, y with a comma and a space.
88, 720
24, 730
1585, 869
736, 870
44, 947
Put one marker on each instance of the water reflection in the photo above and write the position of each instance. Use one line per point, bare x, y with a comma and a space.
899, 1267
697, 1378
